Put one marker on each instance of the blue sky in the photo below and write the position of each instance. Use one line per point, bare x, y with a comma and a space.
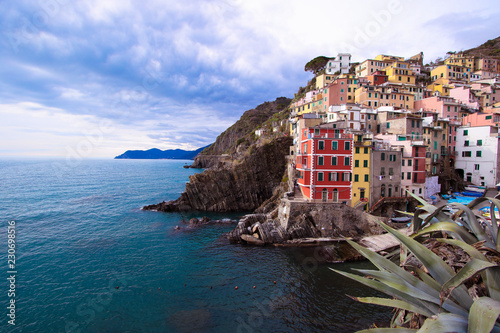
96, 78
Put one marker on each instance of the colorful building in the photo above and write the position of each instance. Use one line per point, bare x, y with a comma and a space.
361, 182
324, 164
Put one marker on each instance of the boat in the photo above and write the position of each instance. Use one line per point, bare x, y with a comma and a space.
403, 219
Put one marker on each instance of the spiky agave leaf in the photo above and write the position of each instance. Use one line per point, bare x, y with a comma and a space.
450, 228
438, 269
471, 221
389, 330
393, 303
494, 203
483, 315
470, 269
491, 277
377, 285
444, 322
415, 290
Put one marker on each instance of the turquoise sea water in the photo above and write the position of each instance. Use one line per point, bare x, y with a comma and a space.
88, 259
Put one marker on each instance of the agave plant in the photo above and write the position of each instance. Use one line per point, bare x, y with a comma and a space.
434, 291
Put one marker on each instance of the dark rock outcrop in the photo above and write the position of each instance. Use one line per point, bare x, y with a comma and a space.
242, 186
301, 220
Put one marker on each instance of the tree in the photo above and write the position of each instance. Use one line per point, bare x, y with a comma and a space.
317, 64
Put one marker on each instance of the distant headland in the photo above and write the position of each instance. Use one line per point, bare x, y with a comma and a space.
176, 154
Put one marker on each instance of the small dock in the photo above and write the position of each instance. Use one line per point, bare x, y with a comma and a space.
383, 242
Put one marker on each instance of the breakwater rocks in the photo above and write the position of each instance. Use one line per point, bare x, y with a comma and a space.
200, 222
239, 186
308, 224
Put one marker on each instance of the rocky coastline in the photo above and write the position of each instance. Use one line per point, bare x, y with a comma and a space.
243, 172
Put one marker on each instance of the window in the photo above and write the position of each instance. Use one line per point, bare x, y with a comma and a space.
382, 156
466, 144
321, 160
366, 150
468, 153
382, 171
403, 162
356, 178
391, 171
478, 153
388, 125
334, 160
357, 150
466, 132
476, 166
479, 142
334, 145
408, 175
410, 162
347, 145
356, 163
366, 178
320, 176
365, 164
305, 148
321, 145
347, 161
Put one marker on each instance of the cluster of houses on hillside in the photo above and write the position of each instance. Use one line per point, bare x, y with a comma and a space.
390, 125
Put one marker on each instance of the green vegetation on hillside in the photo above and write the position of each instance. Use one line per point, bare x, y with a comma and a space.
243, 131
489, 49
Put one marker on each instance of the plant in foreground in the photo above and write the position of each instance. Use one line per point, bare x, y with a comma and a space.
430, 295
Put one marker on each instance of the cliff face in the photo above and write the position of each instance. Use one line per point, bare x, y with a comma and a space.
240, 136
238, 186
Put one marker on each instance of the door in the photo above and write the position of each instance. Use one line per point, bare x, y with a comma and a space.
324, 195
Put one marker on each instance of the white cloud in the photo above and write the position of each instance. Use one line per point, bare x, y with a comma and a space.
176, 73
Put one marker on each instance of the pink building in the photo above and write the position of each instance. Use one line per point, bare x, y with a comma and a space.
481, 119
447, 107
465, 96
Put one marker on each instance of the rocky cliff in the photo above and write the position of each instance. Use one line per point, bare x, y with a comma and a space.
237, 186
240, 137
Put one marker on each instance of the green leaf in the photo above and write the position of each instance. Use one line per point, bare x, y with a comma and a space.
438, 269
444, 322
472, 268
388, 330
450, 228
474, 225
389, 291
394, 303
427, 279
416, 290
491, 277
483, 315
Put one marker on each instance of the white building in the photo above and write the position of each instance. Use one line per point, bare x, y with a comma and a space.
350, 114
477, 155
342, 64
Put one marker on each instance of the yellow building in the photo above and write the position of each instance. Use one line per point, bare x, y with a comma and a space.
460, 59
451, 72
323, 80
361, 170
385, 57
376, 96
400, 72
443, 86
370, 66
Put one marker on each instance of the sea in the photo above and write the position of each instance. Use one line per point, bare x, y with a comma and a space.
80, 255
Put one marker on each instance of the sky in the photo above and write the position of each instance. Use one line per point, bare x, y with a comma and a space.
94, 78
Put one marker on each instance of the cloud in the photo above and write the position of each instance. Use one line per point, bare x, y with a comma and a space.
177, 73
